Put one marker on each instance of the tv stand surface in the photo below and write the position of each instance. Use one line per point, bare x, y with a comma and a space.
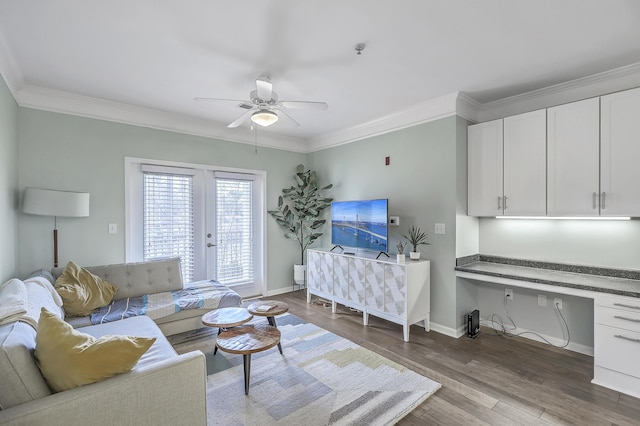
397, 292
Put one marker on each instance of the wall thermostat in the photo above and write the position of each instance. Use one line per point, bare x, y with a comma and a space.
394, 220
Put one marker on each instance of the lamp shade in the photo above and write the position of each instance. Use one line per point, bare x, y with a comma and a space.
264, 117
46, 202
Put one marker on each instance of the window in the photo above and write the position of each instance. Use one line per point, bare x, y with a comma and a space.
168, 219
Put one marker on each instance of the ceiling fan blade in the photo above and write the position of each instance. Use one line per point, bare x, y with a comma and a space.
218, 100
283, 115
244, 117
264, 88
303, 105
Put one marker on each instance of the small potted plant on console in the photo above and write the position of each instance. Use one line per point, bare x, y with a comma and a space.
400, 256
416, 237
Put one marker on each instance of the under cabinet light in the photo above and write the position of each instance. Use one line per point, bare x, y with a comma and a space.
563, 218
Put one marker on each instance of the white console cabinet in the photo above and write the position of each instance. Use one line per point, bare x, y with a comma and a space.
397, 292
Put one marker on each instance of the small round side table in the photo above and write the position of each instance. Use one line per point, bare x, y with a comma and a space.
225, 318
275, 308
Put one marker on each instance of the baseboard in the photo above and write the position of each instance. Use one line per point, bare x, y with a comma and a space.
278, 291
448, 331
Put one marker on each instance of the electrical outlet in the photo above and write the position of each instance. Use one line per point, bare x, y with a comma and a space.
542, 300
557, 302
508, 294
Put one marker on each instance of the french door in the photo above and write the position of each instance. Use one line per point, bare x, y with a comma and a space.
213, 220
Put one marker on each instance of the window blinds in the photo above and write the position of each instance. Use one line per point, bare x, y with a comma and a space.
168, 218
235, 229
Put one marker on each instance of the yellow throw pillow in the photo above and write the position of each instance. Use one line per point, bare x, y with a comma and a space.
82, 292
68, 358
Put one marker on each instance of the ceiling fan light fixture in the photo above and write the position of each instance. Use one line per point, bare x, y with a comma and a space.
264, 117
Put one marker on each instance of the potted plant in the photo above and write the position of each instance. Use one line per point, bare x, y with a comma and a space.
400, 256
416, 237
298, 212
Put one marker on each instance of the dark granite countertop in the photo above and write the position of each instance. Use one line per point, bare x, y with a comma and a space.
604, 280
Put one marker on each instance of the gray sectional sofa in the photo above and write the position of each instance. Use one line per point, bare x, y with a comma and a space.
163, 388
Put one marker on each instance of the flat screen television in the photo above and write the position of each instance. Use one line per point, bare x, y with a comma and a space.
360, 224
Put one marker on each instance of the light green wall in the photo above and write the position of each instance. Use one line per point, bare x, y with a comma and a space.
80, 154
8, 183
421, 185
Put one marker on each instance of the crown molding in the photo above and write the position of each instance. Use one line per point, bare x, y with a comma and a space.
435, 109
84, 106
622, 78
10, 71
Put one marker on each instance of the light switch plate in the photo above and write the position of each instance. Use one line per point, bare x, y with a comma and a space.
113, 228
439, 228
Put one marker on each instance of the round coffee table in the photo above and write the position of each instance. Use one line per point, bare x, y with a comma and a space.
224, 318
247, 340
275, 308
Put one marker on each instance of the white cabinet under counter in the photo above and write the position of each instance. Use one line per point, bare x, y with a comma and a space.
617, 343
397, 292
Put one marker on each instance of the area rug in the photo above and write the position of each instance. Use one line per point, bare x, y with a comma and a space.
321, 379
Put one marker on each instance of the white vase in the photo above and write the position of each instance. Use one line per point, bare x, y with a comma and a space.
400, 258
298, 274
414, 255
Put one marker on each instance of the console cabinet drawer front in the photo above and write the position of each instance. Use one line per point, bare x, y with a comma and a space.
617, 350
357, 281
341, 267
631, 304
325, 278
395, 290
374, 273
618, 318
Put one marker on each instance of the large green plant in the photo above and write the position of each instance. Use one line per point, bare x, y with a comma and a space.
299, 209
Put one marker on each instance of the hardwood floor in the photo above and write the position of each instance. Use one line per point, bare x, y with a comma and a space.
491, 380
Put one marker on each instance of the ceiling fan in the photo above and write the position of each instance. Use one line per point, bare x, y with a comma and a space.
264, 108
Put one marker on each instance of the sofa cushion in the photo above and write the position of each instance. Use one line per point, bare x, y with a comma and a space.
82, 291
68, 358
142, 326
138, 279
20, 378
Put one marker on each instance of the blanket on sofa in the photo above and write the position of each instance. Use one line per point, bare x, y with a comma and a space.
201, 294
22, 300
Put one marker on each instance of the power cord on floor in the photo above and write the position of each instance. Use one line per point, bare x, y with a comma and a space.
503, 330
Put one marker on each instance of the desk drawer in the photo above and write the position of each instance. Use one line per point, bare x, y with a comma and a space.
617, 350
619, 318
631, 304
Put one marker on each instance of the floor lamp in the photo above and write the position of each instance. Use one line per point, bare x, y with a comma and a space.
46, 202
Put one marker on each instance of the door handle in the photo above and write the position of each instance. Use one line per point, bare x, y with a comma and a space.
499, 205
594, 200
603, 201
210, 245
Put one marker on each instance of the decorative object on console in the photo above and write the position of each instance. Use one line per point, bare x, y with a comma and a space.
46, 202
416, 237
400, 256
299, 209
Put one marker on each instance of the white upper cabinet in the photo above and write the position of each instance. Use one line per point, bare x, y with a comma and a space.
485, 169
525, 164
620, 154
573, 160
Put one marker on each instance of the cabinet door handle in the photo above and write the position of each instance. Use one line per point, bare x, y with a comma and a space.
603, 201
595, 195
505, 202
627, 319
627, 338
499, 205
622, 305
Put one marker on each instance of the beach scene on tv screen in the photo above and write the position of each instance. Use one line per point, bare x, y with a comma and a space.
361, 224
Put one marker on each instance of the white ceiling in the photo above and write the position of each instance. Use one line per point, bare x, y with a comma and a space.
154, 57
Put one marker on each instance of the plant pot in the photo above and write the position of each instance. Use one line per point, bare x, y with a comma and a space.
299, 273
400, 258
414, 255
